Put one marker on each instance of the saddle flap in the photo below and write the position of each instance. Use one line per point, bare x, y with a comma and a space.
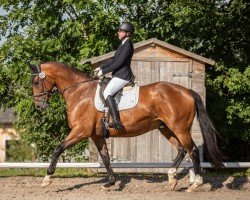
124, 98
103, 84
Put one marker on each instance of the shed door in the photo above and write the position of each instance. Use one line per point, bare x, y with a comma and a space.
152, 146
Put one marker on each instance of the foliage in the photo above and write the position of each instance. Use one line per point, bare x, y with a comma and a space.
233, 88
69, 31
19, 151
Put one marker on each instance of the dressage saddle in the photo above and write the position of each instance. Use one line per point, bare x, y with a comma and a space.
105, 119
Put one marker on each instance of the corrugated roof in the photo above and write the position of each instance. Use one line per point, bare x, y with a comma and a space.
6, 116
158, 42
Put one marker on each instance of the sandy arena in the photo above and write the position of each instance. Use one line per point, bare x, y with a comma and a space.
127, 188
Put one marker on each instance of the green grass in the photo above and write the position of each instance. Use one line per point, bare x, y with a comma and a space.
62, 173
228, 172
73, 172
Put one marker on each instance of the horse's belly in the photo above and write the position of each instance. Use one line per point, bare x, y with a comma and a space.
133, 130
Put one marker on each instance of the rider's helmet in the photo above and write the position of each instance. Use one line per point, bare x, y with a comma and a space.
127, 27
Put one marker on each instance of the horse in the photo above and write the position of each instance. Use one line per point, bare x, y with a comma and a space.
165, 106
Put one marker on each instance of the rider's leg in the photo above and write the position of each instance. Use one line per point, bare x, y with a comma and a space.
114, 86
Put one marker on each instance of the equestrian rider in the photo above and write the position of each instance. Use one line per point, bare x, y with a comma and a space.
121, 71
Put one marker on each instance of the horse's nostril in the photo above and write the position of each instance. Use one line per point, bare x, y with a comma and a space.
38, 107
41, 106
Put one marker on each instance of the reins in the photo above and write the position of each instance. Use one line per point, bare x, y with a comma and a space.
63, 90
57, 90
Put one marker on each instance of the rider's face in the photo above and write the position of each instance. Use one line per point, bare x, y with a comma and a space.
121, 34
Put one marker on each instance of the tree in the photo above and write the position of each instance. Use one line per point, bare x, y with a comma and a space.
70, 31
19, 151
39, 31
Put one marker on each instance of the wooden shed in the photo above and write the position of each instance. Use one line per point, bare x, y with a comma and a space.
153, 61
7, 132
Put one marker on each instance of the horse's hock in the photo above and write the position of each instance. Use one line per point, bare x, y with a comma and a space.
153, 61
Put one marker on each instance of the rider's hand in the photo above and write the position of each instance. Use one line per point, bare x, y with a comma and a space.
99, 74
97, 69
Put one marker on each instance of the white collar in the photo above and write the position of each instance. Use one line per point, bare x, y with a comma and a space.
123, 41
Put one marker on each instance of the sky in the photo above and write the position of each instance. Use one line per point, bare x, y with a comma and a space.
2, 12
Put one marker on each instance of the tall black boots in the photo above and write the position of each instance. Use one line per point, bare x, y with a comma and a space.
114, 113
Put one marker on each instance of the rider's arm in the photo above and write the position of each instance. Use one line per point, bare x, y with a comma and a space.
124, 55
107, 64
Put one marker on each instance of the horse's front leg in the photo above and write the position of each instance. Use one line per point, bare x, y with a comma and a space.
71, 139
103, 151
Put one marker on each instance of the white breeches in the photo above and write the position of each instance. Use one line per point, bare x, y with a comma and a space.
114, 86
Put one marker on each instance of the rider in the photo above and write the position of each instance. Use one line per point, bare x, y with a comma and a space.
121, 70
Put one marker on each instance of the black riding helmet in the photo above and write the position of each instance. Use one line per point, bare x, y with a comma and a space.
127, 26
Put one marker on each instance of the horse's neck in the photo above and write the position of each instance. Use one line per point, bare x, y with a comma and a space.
72, 84
82, 94
66, 80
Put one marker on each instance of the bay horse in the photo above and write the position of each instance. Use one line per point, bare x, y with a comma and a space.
165, 106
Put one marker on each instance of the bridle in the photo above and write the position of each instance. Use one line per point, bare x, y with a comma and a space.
42, 77
45, 92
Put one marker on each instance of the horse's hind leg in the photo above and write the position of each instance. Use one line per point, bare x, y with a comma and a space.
103, 151
188, 143
172, 172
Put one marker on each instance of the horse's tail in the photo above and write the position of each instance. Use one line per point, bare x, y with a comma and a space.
213, 154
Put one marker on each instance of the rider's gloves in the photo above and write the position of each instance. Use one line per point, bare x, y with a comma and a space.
97, 69
99, 74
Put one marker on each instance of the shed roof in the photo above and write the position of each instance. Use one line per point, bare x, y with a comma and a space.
6, 116
151, 41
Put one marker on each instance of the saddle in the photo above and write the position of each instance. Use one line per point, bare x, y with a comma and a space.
117, 96
106, 115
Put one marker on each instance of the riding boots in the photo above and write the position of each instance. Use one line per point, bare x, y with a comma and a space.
114, 113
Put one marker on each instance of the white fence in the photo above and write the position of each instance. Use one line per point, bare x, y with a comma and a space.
120, 165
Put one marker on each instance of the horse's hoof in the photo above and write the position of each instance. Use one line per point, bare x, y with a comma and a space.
193, 187
173, 184
46, 181
118, 183
107, 186
198, 182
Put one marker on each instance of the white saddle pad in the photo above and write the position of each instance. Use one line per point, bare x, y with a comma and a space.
129, 99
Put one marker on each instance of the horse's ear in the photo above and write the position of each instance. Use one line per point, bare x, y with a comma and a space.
34, 69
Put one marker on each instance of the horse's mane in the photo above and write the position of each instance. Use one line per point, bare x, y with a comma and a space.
70, 68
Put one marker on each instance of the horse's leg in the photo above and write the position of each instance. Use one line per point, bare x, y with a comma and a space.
103, 151
172, 172
188, 143
71, 139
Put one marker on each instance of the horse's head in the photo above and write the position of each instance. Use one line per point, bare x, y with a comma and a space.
42, 86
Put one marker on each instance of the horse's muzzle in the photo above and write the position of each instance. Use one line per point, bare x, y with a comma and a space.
41, 106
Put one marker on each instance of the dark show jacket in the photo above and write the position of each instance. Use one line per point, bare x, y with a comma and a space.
120, 65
